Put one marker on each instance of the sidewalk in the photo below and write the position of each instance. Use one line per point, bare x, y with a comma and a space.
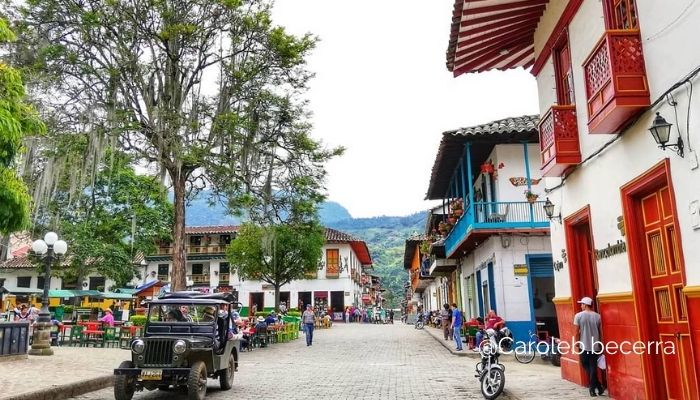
71, 371
537, 380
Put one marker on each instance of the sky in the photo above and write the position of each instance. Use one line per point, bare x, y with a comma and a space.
382, 91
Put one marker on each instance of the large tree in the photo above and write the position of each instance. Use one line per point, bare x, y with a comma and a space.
207, 90
277, 254
17, 120
112, 220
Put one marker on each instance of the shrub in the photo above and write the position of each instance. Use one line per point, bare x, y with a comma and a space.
138, 320
293, 314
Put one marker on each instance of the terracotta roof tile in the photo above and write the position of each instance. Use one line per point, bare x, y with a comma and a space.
193, 230
21, 262
333, 235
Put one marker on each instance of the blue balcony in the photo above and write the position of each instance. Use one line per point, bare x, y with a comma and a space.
487, 217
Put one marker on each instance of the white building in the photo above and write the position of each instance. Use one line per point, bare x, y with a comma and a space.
337, 282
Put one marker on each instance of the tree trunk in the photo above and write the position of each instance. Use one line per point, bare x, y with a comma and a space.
4, 247
177, 280
277, 298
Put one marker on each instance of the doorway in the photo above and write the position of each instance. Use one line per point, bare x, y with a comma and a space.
541, 276
338, 301
658, 277
304, 299
284, 298
581, 256
257, 301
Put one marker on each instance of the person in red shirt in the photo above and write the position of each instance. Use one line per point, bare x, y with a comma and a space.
493, 322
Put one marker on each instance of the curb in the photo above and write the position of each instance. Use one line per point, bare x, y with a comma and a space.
60, 392
446, 344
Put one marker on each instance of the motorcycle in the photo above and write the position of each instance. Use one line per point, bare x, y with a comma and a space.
553, 355
491, 373
419, 322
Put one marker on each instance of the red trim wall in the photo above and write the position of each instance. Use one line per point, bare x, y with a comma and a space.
564, 21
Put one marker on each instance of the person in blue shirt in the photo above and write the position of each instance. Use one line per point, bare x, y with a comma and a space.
456, 326
270, 320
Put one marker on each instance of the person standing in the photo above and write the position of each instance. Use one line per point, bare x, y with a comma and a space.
456, 325
446, 321
308, 320
587, 333
391, 316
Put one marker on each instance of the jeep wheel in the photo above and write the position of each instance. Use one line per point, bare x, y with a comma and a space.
226, 376
197, 381
124, 385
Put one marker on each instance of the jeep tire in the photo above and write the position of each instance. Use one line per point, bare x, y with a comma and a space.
124, 385
226, 375
197, 381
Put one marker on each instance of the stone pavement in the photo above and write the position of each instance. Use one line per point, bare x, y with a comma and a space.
346, 362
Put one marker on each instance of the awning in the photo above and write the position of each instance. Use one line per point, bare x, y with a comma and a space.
493, 34
61, 293
91, 293
118, 296
126, 290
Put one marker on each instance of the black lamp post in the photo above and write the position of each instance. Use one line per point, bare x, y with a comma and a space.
49, 249
661, 131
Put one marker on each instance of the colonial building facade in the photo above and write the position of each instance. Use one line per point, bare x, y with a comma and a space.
487, 246
627, 215
341, 279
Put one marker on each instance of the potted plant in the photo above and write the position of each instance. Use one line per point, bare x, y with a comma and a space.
457, 207
531, 196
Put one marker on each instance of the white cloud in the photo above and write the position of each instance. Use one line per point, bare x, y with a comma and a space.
382, 90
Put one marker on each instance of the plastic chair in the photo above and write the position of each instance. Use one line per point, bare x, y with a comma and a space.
76, 336
110, 338
124, 337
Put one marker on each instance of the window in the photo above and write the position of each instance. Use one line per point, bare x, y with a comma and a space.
224, 239
332, 261
224, 268
40, 282
563, 72
621, 14
97, 283
195, 240
197, 269
163, 269
24, 281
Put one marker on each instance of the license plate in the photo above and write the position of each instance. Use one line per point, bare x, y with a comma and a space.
151, 374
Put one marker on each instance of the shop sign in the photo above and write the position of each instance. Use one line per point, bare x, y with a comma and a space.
612, 250
520, 269
346, 293
267, 286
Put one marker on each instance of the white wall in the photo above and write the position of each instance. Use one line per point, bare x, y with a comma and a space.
665, 31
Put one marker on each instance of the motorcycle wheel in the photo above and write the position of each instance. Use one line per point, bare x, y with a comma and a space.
419, 325
492, 383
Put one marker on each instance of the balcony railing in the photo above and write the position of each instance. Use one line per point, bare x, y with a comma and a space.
616, 81
496, 215
223, 278
164, 278
203, 249
559, 145
203, 278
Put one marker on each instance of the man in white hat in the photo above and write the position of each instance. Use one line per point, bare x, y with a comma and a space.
587, 332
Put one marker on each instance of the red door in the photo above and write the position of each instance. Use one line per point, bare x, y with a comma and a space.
669, 316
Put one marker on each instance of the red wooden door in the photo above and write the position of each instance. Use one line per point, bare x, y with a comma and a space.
669, 317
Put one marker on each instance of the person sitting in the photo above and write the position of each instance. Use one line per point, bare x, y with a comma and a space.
174, 315
260, 332
493, 323
270, 319
108, 318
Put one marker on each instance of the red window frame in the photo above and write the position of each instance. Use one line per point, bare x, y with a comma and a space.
621, 14
563, 71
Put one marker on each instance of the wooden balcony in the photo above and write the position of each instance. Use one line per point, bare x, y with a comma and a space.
204, 249
164, 278
199, 279
559, 145
616, 81
332, 275
223, 278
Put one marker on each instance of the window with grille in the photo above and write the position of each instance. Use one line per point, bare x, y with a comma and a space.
163, 269
621, 14
224, 239
24, 281
332, 261
224, 268
39, 282
197, 269
563, 71
195, 240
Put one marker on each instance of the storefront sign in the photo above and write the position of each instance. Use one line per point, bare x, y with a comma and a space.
520, 269
266, 286
612, 250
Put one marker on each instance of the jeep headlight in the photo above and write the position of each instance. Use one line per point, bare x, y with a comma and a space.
179, 347
137, 346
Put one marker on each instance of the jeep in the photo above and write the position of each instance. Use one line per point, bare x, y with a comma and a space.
187, 339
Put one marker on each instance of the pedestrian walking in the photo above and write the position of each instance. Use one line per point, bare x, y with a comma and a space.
456, 325
308, 321
446, 321
587, 333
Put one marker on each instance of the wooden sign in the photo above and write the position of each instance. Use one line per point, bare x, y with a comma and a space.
520, 269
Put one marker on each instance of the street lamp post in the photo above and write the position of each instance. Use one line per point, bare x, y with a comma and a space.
48, 249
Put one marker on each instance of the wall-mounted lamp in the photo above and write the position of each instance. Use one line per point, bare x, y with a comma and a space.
661, 131
153, 273
549, 210
216, 273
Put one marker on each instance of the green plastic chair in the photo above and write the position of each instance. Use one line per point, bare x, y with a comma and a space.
76, 337
110, 338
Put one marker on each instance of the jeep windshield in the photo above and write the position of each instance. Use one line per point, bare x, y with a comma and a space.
185, 312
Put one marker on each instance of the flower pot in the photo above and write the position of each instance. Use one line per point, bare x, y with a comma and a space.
458, 213
452, 220
532, 198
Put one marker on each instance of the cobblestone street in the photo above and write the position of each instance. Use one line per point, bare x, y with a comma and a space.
369, 362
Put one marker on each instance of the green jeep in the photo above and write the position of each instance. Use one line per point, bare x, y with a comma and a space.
187, 339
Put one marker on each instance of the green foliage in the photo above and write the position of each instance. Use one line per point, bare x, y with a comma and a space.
138, 320
100, 223
277, 254
17, 120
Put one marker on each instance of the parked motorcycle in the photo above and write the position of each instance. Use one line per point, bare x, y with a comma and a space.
491, 373
419, 322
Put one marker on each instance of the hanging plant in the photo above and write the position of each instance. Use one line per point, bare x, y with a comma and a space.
531, 196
